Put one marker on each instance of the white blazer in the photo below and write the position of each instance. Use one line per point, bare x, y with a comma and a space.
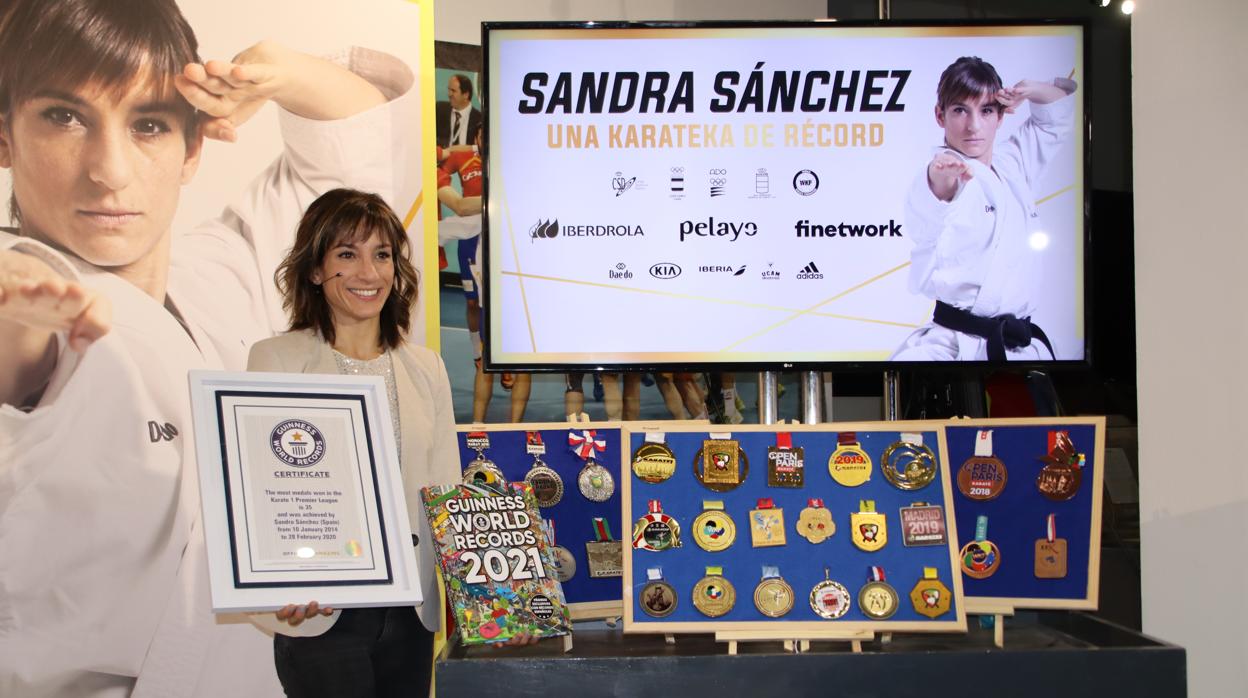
429, 455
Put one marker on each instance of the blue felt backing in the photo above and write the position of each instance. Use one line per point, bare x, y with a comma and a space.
801, 563
1016, 519
574, 514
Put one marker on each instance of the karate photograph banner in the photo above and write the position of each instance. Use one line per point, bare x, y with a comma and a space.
759, 194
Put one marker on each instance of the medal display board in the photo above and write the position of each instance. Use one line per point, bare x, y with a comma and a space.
573, 515
793, 528
1034, 488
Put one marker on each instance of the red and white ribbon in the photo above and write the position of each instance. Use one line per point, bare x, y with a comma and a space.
877, 573
585, 443
1050, 528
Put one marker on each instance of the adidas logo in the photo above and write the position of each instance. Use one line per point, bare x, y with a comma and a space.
810, 271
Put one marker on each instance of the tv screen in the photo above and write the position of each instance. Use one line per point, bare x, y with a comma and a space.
815, 195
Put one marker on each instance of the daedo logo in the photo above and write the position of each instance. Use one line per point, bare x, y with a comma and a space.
664, 270
710, 228
619, 272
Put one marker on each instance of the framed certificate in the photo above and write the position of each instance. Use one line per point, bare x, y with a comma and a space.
301, 492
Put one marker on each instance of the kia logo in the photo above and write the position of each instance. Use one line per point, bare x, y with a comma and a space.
665, 270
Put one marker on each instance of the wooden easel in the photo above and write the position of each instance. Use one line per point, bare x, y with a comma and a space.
998, 613
794, 644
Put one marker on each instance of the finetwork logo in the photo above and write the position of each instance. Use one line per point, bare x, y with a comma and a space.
770, 274
721, 269
810, 271
664, 270
619, 272
678, 183
806, 182
548, 229
805, 229
718, 181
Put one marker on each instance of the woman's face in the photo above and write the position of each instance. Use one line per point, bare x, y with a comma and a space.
356, 278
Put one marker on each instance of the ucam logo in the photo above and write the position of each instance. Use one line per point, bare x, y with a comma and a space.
664, 270
712, 228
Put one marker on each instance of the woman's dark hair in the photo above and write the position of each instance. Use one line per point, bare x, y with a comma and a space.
966, 80
342, 216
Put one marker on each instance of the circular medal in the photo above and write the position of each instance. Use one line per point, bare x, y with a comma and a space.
908, 466
714, 596
773, 597
830, 599
654, 462
595, 482
721, 465
980, 559
546, 483
658, 599
878, 600
656, 531
849, 464
565, 564
982, 478
1059, 481
815, 523
482, 471
714, 530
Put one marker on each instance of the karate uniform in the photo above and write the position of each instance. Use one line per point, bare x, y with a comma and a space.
973, 252
103, 579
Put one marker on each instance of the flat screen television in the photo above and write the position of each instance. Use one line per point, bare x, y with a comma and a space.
772, 196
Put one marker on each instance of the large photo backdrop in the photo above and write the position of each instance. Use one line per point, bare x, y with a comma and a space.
739, 195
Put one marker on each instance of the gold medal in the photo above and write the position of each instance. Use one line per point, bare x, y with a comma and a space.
868, 527
604, 556
482, 471
908, 464
1062, 474
658, 598
713, 595
849, 464
713, 529
829, 599
1051, 552
983, 476
930, 597
815, 523
767, 525
786, 466
773, 597
721, 465
546, 483
878, 599
654, 461
980, 558
656, 531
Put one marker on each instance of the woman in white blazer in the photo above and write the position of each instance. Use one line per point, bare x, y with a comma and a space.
349, 290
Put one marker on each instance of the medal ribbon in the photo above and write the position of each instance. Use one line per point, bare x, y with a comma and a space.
981, 528
654, 574
784, 440
585, 443
533, 443
983, 443
771, 572
814, 503
720, 435
548, 528
916, 439
766, 503
654, 437
930, 573
877, 574
866, 506
709, 504
1050, 528
846, 438
654, 507
714, 571
602, 529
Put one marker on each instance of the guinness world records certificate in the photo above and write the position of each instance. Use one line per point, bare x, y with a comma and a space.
301, 491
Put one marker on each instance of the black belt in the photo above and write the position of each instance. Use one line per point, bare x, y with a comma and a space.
1002, 331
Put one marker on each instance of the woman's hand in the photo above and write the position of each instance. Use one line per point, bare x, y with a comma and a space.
294, 614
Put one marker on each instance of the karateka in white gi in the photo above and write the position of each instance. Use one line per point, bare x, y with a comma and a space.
103, 590
971, 212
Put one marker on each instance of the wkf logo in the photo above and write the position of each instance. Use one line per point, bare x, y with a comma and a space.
297, 443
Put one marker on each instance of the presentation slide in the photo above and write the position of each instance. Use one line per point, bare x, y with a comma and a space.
784, 195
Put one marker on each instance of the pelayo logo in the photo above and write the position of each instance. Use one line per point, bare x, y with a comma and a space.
297, 443
664, 270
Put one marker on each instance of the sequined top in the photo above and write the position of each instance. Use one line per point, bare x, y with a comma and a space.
381, 366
